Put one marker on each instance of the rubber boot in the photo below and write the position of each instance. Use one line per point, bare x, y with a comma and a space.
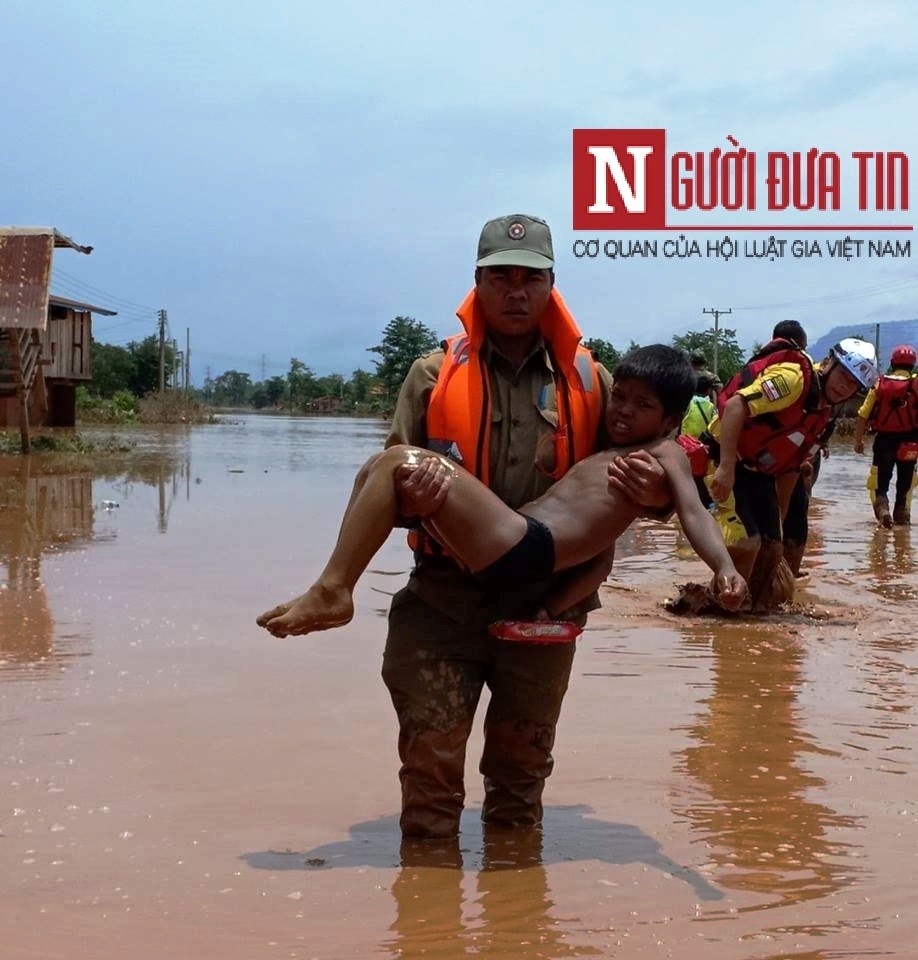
761, 579
793, 554
901, 516
881, 510
516, 762
431, 777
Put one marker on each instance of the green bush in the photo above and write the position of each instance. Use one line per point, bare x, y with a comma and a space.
122, 407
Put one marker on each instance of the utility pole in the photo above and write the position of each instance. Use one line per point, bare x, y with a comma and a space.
187, 359
162, 350
717, 314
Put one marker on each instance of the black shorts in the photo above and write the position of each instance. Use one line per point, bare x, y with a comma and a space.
533, 558
757, 503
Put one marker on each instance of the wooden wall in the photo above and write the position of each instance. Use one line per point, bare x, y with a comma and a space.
67, 343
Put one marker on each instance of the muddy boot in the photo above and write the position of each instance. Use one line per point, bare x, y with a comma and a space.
793, 554
761, 580
431, 777
516, 762
901, 516
881, 510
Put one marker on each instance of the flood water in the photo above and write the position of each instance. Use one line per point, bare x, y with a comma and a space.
176, 783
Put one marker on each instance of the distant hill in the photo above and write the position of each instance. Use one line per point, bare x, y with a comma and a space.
892, 333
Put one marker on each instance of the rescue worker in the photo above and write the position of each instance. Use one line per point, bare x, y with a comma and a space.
699, 364
771, 417
697, 419
701, 408
795, 512
516, 400
891, 411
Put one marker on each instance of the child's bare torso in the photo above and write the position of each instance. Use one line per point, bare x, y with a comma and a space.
584, 513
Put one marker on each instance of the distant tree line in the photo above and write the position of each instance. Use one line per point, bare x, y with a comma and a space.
134, 369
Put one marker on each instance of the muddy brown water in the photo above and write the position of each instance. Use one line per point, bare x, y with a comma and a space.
175, 783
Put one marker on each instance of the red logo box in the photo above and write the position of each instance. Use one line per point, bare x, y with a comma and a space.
619, 179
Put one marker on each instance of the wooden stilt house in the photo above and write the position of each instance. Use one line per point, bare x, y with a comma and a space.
45, 341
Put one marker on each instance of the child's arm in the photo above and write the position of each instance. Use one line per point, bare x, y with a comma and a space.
579, 583
701, 528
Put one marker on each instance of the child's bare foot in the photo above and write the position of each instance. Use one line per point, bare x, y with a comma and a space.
319, 608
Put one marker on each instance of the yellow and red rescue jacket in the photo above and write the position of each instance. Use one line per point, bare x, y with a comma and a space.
779, 441
895, 405
459, 412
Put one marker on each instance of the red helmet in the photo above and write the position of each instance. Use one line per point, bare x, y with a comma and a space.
903, 356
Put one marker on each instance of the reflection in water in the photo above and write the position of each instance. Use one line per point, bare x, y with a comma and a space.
891, 564
766, 833
887, 676
46, 506
511, 916
510, 913
642, 547
40, 509
169, 473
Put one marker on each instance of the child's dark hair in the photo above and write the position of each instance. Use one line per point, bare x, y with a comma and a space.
666, 370
790, 330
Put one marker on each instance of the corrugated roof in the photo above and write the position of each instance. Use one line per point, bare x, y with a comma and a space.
79, 305
25, 273
61, 241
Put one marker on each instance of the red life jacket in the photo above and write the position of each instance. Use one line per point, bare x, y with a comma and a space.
895, 404
781, 440
697, 453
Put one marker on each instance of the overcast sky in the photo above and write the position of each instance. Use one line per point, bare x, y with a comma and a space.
285, 177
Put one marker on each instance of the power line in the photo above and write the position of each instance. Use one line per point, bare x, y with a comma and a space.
843, 297
111, 298
250, 360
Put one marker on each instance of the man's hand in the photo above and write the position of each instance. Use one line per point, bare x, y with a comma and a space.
859, 446
640, 476
722, 483
421, 489
729, 590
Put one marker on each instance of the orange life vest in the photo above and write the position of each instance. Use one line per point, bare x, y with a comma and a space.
459, 411
775, 442
896, 404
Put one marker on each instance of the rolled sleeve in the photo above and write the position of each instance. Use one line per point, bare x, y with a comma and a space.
409, 420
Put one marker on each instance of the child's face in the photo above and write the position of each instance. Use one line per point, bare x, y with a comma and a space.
634, 414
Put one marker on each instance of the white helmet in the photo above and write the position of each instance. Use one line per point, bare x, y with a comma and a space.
859, 358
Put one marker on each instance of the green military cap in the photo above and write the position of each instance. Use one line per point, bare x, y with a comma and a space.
517, 240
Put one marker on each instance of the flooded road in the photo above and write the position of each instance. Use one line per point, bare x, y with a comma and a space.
176, 783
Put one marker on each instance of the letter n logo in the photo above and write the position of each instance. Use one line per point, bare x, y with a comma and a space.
619, 179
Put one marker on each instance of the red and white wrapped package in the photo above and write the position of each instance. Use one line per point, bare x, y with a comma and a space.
535, 631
